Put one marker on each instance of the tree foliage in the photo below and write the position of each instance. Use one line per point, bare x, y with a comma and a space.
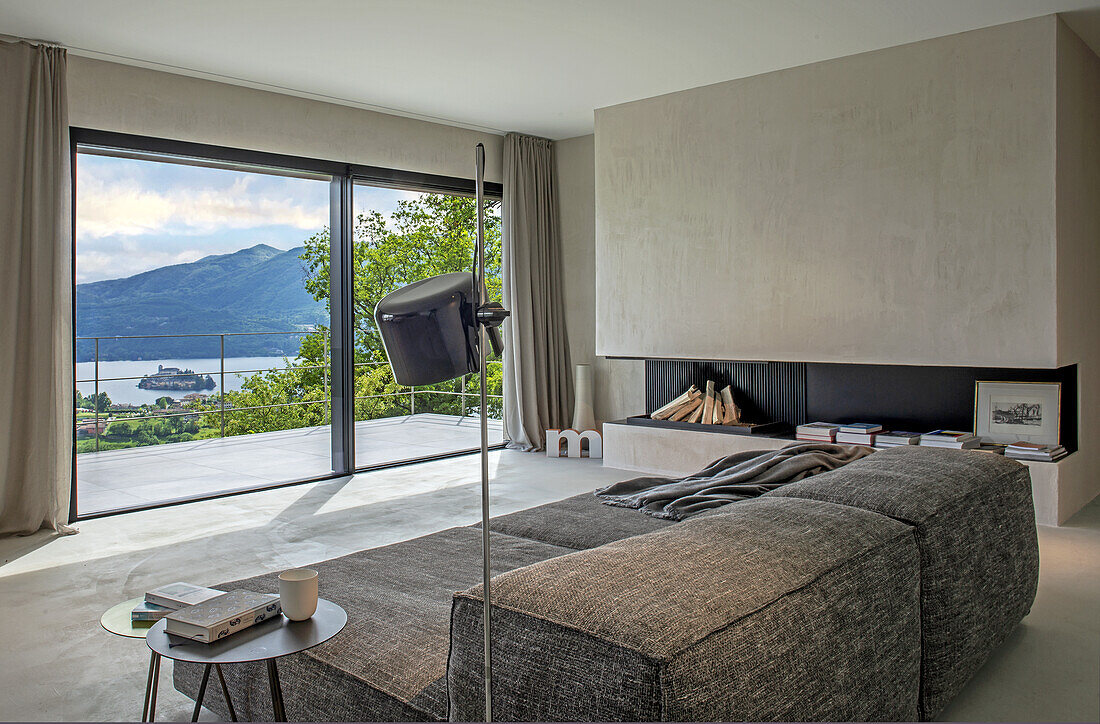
425, 236
100, 402
430, 235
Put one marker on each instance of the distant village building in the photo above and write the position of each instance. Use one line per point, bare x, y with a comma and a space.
87, 428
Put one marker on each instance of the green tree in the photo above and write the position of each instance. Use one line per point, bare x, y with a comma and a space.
120, 429
163, 402
101, 402
428, 235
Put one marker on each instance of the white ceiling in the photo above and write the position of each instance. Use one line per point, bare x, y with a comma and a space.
534, 66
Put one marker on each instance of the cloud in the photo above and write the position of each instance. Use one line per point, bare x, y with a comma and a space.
97, 265
125, 207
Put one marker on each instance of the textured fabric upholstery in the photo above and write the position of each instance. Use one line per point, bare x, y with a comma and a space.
582, 521
975, 525
389, 662
775, 610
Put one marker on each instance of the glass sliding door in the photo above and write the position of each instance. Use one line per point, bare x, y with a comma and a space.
401, 236
202, 352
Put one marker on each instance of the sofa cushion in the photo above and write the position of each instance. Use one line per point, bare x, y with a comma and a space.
773, 610
580, 522
975, 526
389, 662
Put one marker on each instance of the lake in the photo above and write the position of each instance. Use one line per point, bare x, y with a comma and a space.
126, 390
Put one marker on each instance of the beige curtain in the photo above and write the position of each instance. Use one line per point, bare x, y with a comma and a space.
36, 372
538, 390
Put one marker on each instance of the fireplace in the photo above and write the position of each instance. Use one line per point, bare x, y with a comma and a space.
900, 397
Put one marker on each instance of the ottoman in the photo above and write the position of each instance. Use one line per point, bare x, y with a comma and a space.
774, 609
979, 554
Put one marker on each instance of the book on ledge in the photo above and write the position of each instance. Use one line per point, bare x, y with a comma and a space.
861, 428
1036, 452
896, 438
817, 432
223, 615
177, 595
951, 439
855, 438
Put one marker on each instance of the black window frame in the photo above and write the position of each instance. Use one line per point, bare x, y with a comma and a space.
344, 176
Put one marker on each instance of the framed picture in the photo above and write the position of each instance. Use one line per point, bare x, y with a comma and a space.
1011, 411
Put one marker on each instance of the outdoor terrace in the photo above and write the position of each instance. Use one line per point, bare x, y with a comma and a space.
141, 476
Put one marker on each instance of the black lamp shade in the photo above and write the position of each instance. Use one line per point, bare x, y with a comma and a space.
429, 329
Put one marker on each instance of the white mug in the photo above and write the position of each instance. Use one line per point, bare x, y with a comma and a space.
298, 593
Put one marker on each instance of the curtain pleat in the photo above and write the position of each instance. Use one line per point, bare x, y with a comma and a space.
36, 372
538, 390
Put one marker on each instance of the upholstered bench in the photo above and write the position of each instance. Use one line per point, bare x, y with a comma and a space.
783, 609
389, 662
975, 526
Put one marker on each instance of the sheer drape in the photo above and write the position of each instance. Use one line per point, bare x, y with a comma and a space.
538, 388
36, 373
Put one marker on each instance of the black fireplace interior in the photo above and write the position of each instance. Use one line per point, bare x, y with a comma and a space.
900, 397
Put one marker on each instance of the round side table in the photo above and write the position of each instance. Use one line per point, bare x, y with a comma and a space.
117, 620
265, 641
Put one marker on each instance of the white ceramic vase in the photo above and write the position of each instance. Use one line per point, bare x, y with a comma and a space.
583, 417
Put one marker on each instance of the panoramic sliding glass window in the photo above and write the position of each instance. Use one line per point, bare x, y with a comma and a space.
401, 236
202, 361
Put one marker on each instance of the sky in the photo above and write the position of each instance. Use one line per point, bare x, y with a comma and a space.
136, 215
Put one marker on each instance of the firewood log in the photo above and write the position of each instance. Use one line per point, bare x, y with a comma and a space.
667, 411
686, 410
732, 414
707, 416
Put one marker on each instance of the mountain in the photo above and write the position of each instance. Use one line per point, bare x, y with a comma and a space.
259, 289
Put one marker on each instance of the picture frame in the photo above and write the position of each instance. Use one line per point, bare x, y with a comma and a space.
1008, 412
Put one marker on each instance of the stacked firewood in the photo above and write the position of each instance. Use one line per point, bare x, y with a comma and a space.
705, 407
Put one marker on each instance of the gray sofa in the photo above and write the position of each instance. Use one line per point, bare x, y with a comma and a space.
872, 592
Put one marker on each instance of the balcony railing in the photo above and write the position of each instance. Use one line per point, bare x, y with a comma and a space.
101, 421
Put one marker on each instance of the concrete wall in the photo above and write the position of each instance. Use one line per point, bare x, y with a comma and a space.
889, 207
934, 203
618, 384
113, 97
1078, 249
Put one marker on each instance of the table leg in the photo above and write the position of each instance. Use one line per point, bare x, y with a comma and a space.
276, 691
202, 692
148, 685
225, 692
153, 689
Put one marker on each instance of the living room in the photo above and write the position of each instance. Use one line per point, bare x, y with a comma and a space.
739, 248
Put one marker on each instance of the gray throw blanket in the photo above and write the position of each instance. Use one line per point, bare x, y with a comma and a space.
734, 477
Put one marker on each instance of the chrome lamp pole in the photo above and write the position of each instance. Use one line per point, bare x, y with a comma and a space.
430, 329
490, 315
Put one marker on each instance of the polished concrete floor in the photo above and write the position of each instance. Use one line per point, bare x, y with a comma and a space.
138, 476
58, 664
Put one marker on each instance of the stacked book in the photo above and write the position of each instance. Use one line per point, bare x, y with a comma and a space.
223, 615
951, 438
858, 433
162, 601
1034, 451
896, 438
817, 432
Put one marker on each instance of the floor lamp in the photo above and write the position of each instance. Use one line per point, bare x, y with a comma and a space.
437, 329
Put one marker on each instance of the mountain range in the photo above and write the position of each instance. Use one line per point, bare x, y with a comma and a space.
259, 289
